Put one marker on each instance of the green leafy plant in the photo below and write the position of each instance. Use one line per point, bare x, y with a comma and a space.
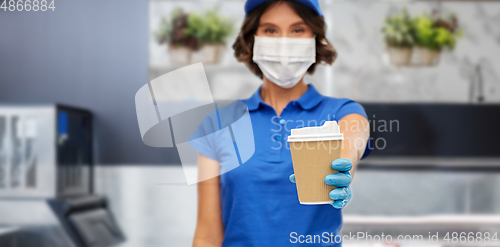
398, 30
194, 29
436, 33
209, 27
174, 31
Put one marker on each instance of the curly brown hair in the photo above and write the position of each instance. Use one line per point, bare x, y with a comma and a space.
243, 45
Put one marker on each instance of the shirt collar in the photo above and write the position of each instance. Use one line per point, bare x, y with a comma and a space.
307, 101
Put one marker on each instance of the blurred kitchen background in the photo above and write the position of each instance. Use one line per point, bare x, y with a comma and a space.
71, 153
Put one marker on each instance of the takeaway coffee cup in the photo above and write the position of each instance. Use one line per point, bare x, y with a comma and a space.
313, 150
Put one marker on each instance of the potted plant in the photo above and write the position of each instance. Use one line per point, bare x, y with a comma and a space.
398, 30
212, 31
175, 32
433, 34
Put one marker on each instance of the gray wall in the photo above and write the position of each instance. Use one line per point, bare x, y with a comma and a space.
92, 54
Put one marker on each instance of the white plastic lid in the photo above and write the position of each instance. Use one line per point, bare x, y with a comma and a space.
329, 131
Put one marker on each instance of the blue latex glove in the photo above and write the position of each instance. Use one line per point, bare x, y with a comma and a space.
341, 195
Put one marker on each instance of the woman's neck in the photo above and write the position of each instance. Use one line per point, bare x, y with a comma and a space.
279, 97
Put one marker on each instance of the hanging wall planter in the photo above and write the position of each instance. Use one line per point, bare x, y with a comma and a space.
425, 35
209, 54
398, 37
400, 56
428, 57
194, 37
179, 56
433, 34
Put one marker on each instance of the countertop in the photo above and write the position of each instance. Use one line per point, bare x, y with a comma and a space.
155, 206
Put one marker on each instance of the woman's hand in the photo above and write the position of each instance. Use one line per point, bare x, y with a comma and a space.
342, 179
353, 147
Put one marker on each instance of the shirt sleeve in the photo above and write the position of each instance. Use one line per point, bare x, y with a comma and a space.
352, 107
203, 138
349, 107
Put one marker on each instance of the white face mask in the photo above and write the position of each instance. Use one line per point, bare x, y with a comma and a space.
284, 61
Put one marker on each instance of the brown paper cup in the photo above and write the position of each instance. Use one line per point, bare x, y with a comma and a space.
311, 163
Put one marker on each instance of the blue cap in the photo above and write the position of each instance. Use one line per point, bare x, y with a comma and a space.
312, 4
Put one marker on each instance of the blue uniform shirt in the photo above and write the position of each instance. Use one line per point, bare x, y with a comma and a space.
260, 206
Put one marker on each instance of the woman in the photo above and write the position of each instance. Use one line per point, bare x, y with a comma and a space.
256, 204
